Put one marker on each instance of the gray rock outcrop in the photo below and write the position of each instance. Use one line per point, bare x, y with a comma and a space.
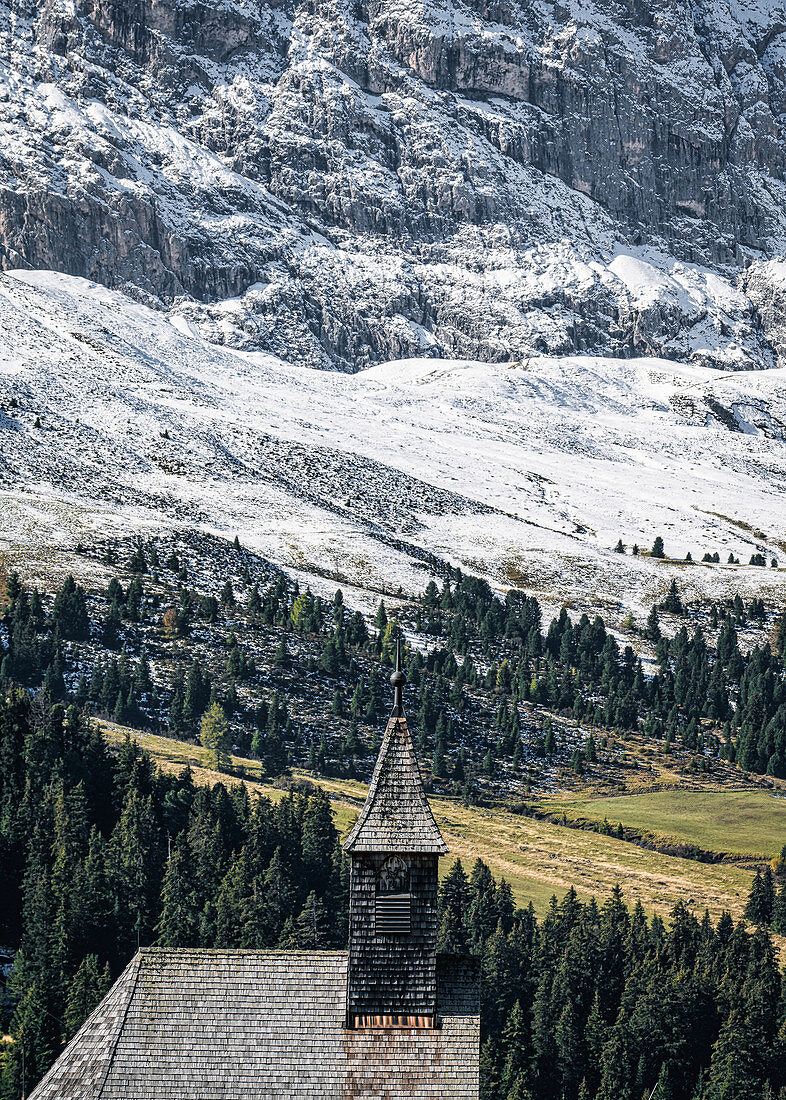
347, 181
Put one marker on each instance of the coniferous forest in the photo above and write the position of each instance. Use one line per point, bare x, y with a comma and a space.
101, 852
104, 853
301, 680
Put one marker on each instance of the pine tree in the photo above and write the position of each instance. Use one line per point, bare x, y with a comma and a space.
69, 612
515, 1043
520, 1090
319, 841
595, 1036
278, 893
779, 911
489, 1071
738, 1066
663, 1089
196, 695
231, 903
135, 870
569, 1043
88, 987
112, 625
274, 757
438, 766
178, 925
761, 898
214, 736
328, 660
615, 1081
36, 1041
281, 657
390, 635
137, 562
311, 930
454, 900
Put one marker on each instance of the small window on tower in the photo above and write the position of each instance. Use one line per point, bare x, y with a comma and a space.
392, 915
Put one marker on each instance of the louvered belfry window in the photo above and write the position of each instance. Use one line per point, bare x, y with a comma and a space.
393, 903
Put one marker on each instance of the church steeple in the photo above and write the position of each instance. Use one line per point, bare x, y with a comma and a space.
396, 816
394, 849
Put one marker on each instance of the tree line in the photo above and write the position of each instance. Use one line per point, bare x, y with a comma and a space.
265, 657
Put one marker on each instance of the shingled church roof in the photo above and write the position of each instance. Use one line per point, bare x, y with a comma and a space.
396, 816
219, 1025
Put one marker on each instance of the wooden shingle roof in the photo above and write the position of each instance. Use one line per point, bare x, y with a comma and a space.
396, 816
258, 1025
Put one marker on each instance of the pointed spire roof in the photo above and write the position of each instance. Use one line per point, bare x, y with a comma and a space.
396, 816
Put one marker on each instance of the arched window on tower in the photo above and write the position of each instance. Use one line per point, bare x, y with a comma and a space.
392, 911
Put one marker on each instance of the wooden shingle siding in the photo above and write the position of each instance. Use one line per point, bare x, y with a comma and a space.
392, 974
262, 1025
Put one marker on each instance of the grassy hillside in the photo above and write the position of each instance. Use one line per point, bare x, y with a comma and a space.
744, 822
537, 858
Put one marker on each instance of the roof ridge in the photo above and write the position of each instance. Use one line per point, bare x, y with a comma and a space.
154, 951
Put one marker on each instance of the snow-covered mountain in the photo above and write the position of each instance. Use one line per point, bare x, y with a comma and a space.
344, 182
117, 420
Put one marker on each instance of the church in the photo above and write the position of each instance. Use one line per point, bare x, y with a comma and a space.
389, 1019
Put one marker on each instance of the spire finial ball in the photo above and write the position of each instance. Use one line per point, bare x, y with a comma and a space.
397, 677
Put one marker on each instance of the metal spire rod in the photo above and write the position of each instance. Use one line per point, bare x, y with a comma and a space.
398, 680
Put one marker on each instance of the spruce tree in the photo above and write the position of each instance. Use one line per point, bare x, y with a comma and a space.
178, 925
319, 841
515, 1044
69, 612
739, 1062
652, 629
88, 987
761, 898
311, 931
454, 900
779, 911
281, 658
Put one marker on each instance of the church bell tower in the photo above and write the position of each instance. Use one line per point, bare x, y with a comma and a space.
394, 849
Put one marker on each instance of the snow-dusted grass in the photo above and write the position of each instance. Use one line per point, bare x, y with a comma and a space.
526, 472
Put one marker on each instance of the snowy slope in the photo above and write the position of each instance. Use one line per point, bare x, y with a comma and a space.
527, 472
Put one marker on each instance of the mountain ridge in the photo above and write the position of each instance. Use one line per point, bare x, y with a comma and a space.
345, 184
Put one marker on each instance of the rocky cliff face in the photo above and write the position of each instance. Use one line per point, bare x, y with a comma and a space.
348, 181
